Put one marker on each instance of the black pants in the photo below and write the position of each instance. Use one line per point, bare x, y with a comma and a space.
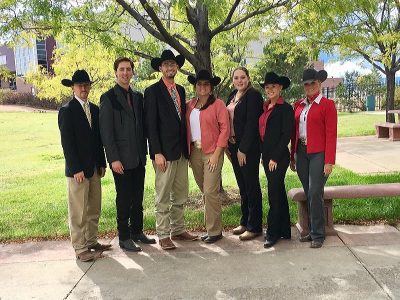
278, 219
129, 187
249, 186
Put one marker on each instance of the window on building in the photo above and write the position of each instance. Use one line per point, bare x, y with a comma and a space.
41, 53
3, 60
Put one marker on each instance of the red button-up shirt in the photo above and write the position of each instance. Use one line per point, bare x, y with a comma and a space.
262, 121
173, 85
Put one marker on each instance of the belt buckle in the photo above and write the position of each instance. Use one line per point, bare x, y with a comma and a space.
303, 141
197, 144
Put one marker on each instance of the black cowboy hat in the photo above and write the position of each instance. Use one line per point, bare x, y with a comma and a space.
272, 77
80, 76
204, 75
310, 75
167, 55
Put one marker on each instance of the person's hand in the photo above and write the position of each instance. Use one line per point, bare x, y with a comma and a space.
101, 171
272, 165
161, 162
241, 158
328, 169
79, 177
117, 167
212, 162
293, 165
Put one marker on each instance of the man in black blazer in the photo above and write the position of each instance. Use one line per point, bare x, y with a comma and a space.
165, 109
85, 164
121, 127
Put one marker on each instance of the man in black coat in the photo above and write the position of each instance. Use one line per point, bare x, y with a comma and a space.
121, 127
85, 164
165, 109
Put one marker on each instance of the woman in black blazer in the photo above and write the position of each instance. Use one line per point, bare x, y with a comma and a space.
245, 107
275, 127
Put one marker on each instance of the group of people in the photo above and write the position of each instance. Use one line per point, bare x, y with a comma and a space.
193, 133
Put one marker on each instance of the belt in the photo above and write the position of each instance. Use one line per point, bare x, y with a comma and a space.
232, 140
303, 141
197, 144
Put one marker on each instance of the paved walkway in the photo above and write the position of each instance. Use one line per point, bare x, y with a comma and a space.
368, 155
360, 263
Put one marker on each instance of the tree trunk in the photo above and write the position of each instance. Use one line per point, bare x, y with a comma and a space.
390, 89
203, 39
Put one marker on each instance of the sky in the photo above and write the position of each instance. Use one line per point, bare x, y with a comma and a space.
337, 68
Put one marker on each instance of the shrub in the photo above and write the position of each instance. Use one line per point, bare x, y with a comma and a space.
27, 99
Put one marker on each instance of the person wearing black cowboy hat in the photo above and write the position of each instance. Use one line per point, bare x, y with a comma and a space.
85, 164
208, 131
313, 149
165, 109
275, 127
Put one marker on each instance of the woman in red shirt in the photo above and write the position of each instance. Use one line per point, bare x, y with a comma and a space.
275, 127
313, 149
207, 136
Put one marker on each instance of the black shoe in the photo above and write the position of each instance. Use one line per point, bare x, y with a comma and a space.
141, 237
203, 237
269, 243
213, 238
129, 245
306, 238
316, 243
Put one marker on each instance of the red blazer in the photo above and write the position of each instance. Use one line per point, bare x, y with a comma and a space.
214, 125
321, 128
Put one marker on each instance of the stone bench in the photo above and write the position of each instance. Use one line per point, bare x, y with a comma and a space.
338, 192
388, 130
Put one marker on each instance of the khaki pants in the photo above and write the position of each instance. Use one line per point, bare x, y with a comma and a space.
209, 184
172, 190
84, 207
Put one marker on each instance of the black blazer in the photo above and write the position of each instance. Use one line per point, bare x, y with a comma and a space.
166, 133
278, 132
83, 150
245, 121
121, 127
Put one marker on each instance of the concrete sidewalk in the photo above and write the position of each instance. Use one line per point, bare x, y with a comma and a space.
368, 154
362, 262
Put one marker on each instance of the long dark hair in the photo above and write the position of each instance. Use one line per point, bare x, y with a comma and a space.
211, 99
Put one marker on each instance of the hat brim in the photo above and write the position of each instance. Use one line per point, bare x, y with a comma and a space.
213, 81
283, 81
67, 82
157, 61
320, 76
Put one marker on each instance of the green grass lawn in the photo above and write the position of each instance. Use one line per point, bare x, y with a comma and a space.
355, 124
33, 201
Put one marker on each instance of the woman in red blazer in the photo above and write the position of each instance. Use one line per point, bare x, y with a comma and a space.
313, 149
207, 137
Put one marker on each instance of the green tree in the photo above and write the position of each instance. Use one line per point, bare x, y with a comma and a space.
364, 28
282, 56
67, 60
190, 27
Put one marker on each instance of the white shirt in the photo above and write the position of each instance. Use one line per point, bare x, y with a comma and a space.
303, 116
195, 125
81, 101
